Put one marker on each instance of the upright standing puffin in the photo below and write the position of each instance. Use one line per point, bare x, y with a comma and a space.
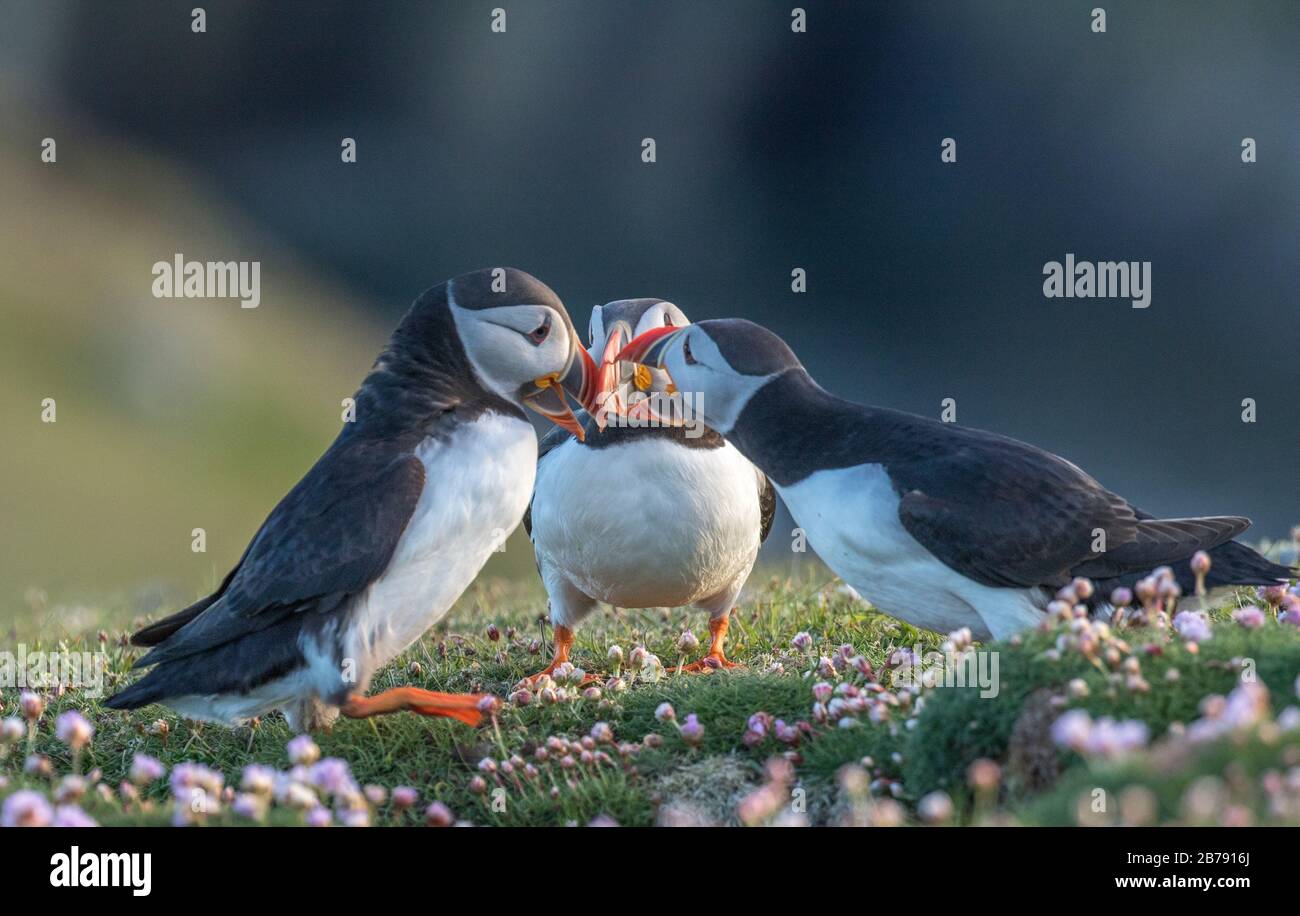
390, 525
940, 525
655, 516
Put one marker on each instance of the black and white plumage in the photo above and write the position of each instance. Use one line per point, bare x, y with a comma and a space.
655, 516
391, 524
940, 525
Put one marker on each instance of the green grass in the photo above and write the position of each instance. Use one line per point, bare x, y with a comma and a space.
634, 781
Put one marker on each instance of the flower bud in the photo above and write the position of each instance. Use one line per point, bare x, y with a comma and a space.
438, 815
31, 704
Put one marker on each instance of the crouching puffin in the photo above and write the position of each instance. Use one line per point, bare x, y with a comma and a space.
940, 525
644, 516
390, 525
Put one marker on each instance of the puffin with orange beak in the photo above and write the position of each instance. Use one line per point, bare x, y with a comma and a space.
390, 525
940, 525
643, 515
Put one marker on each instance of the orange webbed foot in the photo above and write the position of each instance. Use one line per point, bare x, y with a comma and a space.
463, 707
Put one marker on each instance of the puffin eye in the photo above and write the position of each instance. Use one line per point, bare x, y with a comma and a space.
668, 320
541, 332
686, 353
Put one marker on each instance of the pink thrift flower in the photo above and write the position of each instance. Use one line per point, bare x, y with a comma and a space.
692, 730
1250, 617
26, 809
72, 816
303, 750
1192, 626
73, 729
145, 769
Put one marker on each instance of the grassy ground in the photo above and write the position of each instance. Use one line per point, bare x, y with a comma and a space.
879, 751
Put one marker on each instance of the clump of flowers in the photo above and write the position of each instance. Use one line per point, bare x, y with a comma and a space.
865, 809
196, 793
770, 804
1193, 626
1237, 714
26, 808
757, 729
559, 764
1157, 596
72, 816
1250, 617
644, 664
1104, 737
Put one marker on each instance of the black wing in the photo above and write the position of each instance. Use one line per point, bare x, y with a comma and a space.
329, 538
1005, 513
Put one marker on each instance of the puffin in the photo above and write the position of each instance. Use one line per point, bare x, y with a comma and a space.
643, 515
940, 525
392, 523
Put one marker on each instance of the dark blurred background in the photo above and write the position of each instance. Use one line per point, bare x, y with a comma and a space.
775, 151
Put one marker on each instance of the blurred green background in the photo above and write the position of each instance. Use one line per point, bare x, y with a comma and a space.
171, 414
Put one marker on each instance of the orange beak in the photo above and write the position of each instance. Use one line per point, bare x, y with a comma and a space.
588, 383
647, 351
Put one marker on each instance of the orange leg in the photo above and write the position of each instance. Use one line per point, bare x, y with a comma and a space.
715, 658
563, 643
460, 706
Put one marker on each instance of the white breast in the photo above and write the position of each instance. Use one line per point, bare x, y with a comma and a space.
850, 516
478, 482
647, 524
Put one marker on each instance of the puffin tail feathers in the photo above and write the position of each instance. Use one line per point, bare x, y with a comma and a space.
141, 693
1166, 541
160, 630
1231, 564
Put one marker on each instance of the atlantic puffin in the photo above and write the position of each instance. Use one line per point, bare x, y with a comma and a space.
644, 516
390, 525
938, 524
